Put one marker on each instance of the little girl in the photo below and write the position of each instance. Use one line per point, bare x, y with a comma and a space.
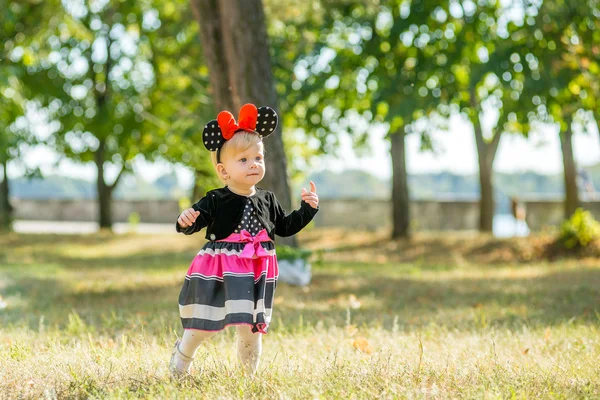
232, 280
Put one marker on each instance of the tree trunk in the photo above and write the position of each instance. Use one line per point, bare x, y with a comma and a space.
570, 172
485, 155
5, 206
486, 152
208, 15
252, 81
104, 191
597, 118
400, 194
486, 201
235, 45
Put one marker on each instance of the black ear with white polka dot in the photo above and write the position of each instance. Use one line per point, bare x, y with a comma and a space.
212, 137
266, 121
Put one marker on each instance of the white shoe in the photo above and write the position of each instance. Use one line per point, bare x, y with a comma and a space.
180, 364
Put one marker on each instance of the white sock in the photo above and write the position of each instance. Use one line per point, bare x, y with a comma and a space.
249, 348
182, 364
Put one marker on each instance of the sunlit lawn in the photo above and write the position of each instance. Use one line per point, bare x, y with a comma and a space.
96, 316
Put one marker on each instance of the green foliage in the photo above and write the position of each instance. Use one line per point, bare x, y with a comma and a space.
580, 230
134, 220
18, 351
76, 326
18, 28
292, 253
556, 42
118, 79
180, 104
394, 62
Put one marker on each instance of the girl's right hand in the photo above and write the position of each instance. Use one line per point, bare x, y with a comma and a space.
188, 217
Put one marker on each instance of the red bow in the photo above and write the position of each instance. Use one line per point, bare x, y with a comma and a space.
248, 116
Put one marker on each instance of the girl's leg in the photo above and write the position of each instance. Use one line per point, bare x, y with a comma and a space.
186, 349
249, 348
192, 339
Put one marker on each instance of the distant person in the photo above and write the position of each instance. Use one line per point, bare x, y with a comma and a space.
585, 181
232, 280
519, 213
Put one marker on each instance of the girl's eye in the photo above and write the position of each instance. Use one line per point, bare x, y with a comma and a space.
243, 159
258, 158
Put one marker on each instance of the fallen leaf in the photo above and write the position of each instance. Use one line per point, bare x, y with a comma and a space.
526, 351
362, 345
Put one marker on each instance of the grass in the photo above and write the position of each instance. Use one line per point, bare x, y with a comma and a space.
453, 316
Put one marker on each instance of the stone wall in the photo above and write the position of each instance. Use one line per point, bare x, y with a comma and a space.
151, 211
349, 213
373, 214
550, 212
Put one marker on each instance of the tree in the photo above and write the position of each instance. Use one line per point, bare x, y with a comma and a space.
471, 39
385, 70
97, 60
179, 102
581, 43
585, 51
11, 107
235, 46
562, 64
19, 28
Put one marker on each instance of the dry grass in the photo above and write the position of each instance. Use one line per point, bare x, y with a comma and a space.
448, 316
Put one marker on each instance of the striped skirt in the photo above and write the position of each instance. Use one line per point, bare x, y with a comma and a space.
230, 282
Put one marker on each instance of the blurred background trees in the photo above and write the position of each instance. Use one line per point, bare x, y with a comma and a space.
111, 82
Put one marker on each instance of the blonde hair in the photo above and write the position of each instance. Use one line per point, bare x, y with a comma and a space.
240, 142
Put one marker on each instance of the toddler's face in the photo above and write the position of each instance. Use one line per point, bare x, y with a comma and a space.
247, 167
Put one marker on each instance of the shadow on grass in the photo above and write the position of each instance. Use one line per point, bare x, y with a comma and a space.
553, 299
107, 311
451, 250
384, 292
15, 241
160, 260
141, 261
550, 300
404, 250
41, 249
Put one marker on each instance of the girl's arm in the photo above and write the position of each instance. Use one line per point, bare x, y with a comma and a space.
294, 222
206, 207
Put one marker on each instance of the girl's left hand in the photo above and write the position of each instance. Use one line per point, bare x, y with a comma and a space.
311, 197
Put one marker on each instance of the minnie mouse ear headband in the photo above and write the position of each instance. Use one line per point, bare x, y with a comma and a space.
262, 121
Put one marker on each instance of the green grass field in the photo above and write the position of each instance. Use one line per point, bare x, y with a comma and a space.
462, 317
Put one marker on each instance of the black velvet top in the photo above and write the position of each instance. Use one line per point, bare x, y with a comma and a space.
221, 211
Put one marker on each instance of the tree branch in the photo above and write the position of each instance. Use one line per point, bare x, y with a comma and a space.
493, 145
118, 178
481, 145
